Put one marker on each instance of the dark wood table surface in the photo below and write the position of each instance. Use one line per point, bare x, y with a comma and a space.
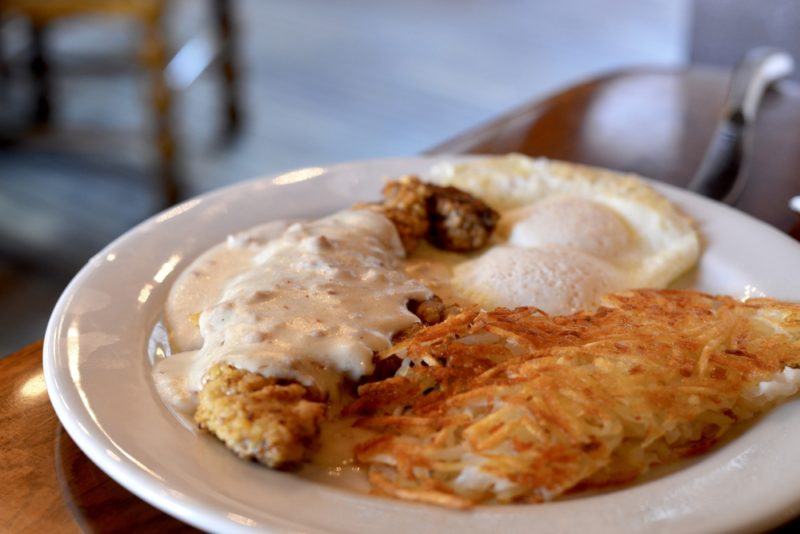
655, 123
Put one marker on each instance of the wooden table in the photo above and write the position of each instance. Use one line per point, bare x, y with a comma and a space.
652, 122
48, 484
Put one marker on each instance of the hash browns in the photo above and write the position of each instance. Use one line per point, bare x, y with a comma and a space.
517, 406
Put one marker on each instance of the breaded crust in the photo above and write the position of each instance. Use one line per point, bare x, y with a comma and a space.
259, 418
430, 311
448, 217
458, 220
405, 205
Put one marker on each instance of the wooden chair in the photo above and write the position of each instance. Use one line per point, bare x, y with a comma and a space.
153, 56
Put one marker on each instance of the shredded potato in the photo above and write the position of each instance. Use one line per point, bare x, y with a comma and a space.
517, 406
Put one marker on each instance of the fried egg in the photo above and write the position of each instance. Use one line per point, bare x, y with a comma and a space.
568, 234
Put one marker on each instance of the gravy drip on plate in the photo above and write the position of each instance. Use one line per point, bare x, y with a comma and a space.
435, 268
315, 304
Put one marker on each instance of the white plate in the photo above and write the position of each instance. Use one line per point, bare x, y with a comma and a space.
98, 377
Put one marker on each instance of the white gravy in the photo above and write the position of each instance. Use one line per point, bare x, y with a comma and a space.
309, 301
434, 268
203, 282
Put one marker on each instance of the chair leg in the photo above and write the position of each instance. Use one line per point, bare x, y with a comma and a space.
155, 56
41, 77
5, 73
227, 35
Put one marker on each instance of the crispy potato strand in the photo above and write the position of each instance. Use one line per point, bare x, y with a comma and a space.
513, 405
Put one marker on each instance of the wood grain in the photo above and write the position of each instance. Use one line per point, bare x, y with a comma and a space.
48, 484
655, 123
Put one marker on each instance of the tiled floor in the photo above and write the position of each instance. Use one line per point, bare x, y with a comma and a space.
324, 82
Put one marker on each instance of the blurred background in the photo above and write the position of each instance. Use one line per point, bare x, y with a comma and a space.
112, 109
